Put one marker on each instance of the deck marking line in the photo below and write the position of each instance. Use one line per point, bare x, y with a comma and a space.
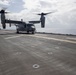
71, 38
13, 37
54, 39
36, 66
44, 38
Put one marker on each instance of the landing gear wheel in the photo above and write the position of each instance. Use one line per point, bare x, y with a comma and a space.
17, 31
27, 32
4, 26
33, 32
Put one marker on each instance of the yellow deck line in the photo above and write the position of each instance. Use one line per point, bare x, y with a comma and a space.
49, 38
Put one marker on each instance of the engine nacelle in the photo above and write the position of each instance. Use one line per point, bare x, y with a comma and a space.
3, 19
4, 25
42, 21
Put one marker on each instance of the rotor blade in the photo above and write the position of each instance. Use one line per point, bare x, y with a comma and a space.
45, 13
41, 14
48, 13
38, 14
4, 12
7, 12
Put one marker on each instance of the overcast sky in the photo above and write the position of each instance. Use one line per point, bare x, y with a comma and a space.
63, 20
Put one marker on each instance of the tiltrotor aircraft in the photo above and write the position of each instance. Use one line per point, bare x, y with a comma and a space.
21, 25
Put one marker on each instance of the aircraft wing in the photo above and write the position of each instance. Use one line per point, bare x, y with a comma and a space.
34, 22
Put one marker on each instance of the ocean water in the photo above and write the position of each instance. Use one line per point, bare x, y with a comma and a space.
50, 30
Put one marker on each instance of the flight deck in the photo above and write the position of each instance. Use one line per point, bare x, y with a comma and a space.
38, 54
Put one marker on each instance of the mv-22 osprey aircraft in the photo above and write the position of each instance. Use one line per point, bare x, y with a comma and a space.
21, 25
